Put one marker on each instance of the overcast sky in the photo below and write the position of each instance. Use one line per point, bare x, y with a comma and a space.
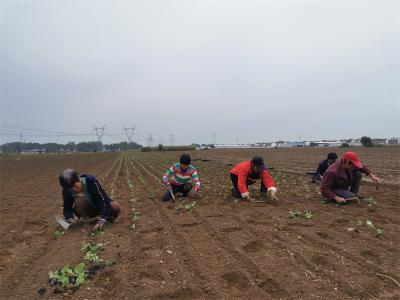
256, 71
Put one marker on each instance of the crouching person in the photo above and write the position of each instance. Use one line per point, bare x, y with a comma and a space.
342, 179
85, 198
179, 178
323, 166
247, 173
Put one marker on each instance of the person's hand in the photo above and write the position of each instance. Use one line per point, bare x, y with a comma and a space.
196, 189
246, 196
99, 225
321, 177
340, 199
375, 178
70, 220
169, 187
272, 195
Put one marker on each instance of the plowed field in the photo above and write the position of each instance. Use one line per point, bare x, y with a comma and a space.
221, 248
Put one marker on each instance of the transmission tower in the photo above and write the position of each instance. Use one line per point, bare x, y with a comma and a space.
99, 133
129, 132
150, 140
172, 140
214, 138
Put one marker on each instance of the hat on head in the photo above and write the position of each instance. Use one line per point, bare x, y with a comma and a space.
353, 158
259, 162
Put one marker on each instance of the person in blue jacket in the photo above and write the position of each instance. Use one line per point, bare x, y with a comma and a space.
85, 198
323, 166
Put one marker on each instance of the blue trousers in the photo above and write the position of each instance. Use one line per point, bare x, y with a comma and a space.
355, 186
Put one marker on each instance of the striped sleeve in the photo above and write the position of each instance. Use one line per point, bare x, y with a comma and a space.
168, 174
195, 177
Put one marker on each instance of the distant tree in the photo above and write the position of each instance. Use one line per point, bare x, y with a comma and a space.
366, 141
160, 147
345, 145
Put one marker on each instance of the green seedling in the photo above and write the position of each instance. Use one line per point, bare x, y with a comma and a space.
135, 217
371, 201
308, 215
58, 234
91, 250
96, 233
69, 275
294, 213
190, 207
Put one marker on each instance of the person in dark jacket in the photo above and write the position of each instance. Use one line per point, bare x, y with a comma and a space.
342, 179
85, 198
323, 166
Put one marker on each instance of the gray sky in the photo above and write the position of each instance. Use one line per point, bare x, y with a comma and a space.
256, 71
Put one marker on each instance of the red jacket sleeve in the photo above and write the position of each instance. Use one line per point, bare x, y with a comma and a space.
267, 179
327, 183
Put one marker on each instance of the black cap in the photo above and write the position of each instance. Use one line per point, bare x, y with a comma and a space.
332, 155
259, 162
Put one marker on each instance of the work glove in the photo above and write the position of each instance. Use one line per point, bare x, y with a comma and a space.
246, 196
99, 225
169, 187
272, 195
196, 189
70, 220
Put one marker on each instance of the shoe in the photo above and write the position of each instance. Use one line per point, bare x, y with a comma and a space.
235, 193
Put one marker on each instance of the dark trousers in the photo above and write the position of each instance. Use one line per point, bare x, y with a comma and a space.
84, 209
249, 181
184, 189
355, 186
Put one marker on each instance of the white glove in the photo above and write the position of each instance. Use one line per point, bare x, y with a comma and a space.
246, 195
272, 195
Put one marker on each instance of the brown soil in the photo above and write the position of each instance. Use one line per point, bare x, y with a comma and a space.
221, 249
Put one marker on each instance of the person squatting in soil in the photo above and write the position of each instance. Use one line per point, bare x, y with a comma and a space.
246, 173
342, 179
323, 166
85, 198
179, 178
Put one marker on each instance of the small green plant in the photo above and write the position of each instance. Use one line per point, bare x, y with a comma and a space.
96, 233
294, 214
69, 275
135, 217
371, 201
308, 215
378, 232
91, 250
58, 234
190, 207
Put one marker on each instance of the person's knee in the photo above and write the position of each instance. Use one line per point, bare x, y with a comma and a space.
187, 187
81, 207
115, 209
357, 175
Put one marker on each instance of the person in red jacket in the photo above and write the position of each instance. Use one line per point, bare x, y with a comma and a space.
342, 179
247, 173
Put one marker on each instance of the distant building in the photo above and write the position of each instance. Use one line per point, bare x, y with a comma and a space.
393, 141
379, 141
34, 151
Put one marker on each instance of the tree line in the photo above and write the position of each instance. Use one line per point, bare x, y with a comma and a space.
17, 147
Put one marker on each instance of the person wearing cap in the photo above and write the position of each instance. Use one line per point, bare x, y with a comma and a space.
342, 179
323, 166
246, 173
85, 198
